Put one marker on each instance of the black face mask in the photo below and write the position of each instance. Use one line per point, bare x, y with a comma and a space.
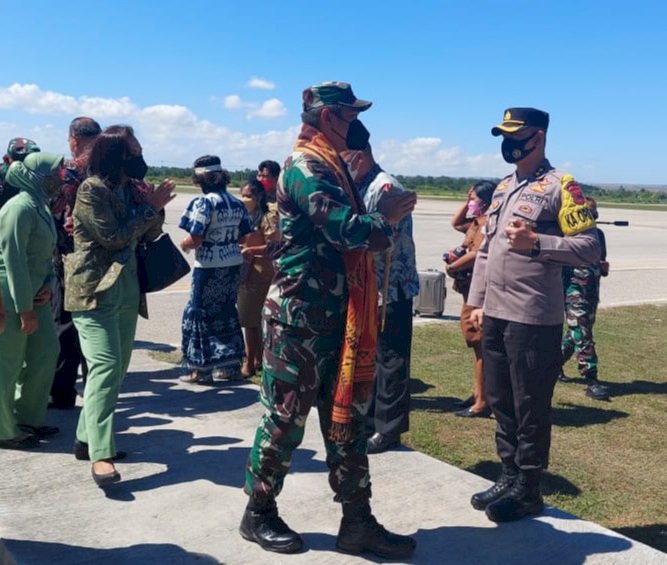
357, 136
135, 167
514, 150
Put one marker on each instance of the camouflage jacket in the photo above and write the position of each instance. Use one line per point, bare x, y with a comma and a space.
108, 222
317, 224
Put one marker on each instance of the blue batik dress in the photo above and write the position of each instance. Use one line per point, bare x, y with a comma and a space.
212, 337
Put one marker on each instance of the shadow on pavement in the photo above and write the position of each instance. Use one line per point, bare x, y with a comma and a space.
173, 400
27, 552
505, 544
152, 346
182, 461
654, 535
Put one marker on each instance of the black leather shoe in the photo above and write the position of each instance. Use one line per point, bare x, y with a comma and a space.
519, 501
40, 431
264, 527
105, 479
480, 500
378, 443
81, 452
597, 391
467, 403
356, 537
470, 413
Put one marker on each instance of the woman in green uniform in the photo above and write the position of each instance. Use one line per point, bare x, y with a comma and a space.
29, 346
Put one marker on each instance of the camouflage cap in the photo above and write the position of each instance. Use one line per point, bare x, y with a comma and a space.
332, 93
20, 147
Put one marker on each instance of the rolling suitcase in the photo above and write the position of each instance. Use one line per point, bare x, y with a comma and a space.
432, 293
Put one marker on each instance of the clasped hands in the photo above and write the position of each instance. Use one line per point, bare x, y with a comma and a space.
520, 235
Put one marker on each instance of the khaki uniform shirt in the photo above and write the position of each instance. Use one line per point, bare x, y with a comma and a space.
523, 286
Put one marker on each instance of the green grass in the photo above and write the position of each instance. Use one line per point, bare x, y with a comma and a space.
608, 459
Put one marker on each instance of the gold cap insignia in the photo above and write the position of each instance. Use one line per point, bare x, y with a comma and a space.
508, 116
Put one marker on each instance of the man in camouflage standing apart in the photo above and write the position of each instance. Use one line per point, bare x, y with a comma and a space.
309, 309
582, 294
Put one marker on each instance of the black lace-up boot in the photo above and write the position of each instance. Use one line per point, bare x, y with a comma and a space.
481, 500
360, 532
262, 524
523, 499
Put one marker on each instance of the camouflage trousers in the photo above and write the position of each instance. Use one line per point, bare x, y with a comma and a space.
300, 368
582, 287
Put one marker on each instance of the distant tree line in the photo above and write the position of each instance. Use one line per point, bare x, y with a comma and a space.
430, 185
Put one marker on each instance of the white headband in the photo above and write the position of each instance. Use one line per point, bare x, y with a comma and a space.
207, 169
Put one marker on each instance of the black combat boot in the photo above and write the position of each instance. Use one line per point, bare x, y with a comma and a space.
595, 389
523, 499
480, 500
359, 532
262, 525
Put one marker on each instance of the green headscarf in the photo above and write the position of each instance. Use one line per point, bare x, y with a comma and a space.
30, 174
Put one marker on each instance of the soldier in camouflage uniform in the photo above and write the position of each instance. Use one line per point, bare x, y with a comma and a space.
582, 294
304, 322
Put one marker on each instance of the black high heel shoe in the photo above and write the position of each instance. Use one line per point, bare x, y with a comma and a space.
105, 479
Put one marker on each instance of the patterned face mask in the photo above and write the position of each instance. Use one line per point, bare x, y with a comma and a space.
514, 150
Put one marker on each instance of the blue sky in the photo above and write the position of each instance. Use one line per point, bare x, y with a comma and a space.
226, 77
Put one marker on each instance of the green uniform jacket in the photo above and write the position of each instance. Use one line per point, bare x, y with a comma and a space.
108, 222
27, 241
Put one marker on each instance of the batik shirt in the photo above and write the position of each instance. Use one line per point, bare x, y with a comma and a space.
403, 271
317, 224
220, 219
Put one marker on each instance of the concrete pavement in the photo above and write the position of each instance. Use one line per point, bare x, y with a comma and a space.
180, 500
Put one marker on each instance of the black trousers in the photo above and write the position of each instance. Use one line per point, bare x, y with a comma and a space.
63, 389
389, 411
521, 365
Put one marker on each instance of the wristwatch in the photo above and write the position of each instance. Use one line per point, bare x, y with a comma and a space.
535, 251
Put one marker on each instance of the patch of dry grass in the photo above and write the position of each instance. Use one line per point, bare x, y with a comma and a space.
608, 459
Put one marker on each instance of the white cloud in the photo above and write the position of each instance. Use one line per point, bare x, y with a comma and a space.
261, 83
174, 135
232, 102
34, 100
272, 108
428, 156
30, 98
269, 109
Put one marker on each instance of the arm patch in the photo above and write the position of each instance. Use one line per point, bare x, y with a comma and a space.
574, 215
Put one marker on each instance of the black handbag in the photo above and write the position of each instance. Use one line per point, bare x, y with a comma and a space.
159, 264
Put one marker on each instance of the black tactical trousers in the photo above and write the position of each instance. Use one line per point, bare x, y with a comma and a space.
521, 365
389, 411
